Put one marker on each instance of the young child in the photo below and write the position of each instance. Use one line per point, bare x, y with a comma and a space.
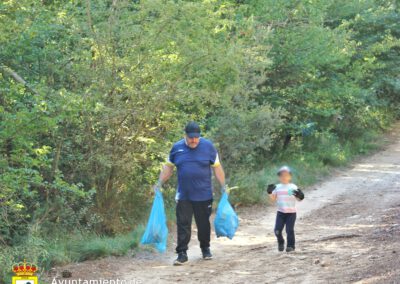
285, 194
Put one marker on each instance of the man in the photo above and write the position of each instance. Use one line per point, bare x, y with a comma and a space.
194, 157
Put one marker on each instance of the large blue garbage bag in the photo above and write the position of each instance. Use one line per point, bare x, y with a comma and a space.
226, 222
156, 233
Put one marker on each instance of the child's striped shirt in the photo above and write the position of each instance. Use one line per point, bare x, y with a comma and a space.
285, 199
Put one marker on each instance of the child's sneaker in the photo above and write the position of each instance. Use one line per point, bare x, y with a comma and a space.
289, 249
281, 247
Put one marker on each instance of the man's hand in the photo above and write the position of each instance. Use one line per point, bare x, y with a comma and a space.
271, 188
224, 189
298, 194
165, 174
157, 186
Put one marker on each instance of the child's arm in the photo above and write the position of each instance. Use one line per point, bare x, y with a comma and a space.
271, 191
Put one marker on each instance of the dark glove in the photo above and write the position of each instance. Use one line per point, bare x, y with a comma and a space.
298, 194
271, 188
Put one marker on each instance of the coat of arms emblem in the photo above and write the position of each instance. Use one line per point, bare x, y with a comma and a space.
24, 273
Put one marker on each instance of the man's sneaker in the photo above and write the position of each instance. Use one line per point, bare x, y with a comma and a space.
289, 249
206, 253
181, 259
281, 247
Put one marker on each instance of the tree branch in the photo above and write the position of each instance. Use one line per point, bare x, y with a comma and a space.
16, 77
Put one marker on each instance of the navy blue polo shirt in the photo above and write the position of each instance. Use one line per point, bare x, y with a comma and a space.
194, 169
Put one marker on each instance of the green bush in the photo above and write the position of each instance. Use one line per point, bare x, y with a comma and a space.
99, 246
245, 137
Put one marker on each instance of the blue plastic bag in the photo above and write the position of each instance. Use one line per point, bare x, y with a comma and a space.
226, 222
156, 233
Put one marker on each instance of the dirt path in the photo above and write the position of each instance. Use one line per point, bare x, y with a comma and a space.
348, 231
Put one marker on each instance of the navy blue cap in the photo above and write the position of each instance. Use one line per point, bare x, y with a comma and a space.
192, 130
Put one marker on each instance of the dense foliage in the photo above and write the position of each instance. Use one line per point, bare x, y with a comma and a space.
94, 92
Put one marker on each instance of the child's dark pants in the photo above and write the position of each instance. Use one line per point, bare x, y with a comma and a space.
287, 219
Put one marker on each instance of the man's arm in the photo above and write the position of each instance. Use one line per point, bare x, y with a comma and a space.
165, 174
220, 174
